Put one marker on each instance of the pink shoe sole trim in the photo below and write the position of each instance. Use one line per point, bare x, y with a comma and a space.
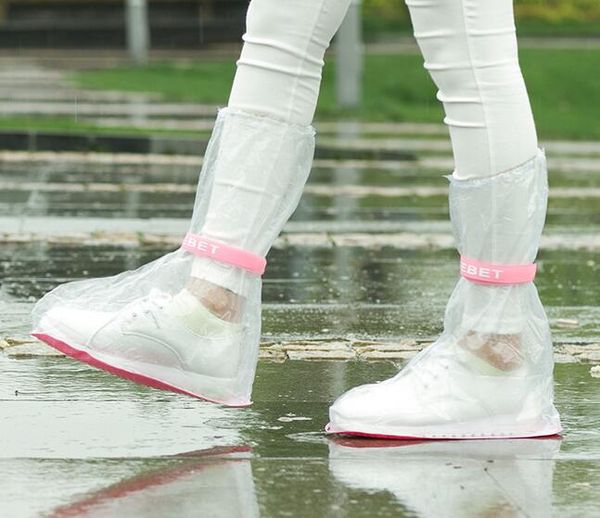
329, 429
492, 273
82, 356
190, 463
217, 251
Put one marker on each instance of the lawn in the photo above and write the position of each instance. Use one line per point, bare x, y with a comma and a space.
564, 87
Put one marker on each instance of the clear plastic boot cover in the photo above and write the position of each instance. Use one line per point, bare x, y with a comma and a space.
433, 479
186, 323
490, 373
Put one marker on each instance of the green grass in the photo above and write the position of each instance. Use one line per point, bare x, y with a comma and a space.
378, 28
206, 82
564, 86
560, 28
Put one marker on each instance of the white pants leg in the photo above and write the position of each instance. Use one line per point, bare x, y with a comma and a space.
489, 374
470, 50
279, 70
278, 77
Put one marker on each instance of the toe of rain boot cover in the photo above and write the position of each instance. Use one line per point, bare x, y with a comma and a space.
139, 341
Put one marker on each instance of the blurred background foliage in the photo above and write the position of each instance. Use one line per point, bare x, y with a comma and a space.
534, 17
560, 57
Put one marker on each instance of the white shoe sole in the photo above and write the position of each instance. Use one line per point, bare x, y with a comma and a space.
215, 390
497, 427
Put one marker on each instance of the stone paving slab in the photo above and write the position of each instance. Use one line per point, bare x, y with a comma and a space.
25, 82
557, 163
392, 148
324, 331
148, 232
340, 128
132, 109
20, 70
338, 350
328, 190
52, 95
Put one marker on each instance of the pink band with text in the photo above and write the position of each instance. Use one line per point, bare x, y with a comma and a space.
492, 273
205, 247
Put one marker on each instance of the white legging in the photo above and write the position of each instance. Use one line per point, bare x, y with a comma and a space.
470, 50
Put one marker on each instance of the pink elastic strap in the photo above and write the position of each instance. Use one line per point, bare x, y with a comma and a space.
205, 247
492, 273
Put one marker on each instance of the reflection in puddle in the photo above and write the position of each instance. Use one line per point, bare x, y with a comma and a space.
212, 482
86, 414
483, 479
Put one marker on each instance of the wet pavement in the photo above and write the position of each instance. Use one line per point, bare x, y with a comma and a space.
367, 258
357, 284
77, 442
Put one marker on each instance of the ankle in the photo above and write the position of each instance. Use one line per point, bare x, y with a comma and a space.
220, 301
501, 351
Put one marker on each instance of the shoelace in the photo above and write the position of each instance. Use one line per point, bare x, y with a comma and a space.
149, 305
427, 369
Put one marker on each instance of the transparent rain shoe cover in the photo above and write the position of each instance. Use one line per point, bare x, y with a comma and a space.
169, 324
490, 372
433, 479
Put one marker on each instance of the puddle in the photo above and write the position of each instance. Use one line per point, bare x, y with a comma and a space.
82, 443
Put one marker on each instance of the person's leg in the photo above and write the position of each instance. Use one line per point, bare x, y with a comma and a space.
490, 372
279, 71
278, 77
190, 321
470, 51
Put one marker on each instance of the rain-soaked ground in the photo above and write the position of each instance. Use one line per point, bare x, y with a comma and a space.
76, 442
362, 272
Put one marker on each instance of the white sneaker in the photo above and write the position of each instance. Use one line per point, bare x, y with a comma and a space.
147, 342
446, 392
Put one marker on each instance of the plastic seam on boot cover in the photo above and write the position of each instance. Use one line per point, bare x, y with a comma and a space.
205, 247
483, 272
